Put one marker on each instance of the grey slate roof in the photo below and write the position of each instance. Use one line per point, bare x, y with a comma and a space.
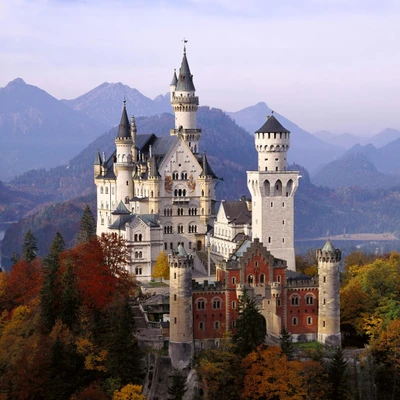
272, 125
174, 79
181, 251
237, 212
185, 79
97, 160
121, 209
119, 223
207, 170
124, 130
148, 219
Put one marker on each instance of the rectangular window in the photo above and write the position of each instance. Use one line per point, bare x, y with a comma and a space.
309, 300
190, 245
175, 320
278, 302
233, 281
323, 324
295, 301
174, 297
127, 183
233, 304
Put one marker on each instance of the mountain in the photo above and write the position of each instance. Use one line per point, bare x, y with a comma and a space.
39, 131
230, 151
104, 103
305, 148
383, 138
344, 140
353, 169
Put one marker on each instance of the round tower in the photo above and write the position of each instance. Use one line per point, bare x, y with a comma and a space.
181, 347
329, 295
123, 166
185, 104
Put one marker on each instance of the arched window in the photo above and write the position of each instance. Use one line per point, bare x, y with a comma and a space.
294, 300
267, 187
184, 192
135, 237
201, 326
216, 303
309, 320
262, 278
309, 299
289, 188
278, 188
136, 254
250, 279
106, 189
201, 304
216, 325
140, 254
126, 200
180, 192
176, 192
101, 189
180, 228
140, 237
295, 321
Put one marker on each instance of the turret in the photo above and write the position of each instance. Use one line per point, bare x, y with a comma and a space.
207, 180
97, 165
329, 295
181, 347
185, 104
133, 135
123, 166
272, 144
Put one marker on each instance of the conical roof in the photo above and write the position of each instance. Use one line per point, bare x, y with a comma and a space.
328, 247
97, 159
185, 79
124, 130
121, 209
181, 251
153, 170
174, 79
207, 170
272, 125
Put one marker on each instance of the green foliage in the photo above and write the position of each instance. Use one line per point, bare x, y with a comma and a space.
177, 388
87, 226
29, 247
338, 377
286, 343
250, 326
69, 302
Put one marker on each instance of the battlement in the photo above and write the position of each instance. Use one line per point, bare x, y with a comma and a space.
206, 286
294, 283
329, 256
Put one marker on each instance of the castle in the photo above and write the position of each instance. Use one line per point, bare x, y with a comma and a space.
159, 194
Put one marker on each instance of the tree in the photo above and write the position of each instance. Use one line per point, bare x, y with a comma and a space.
161, 267
87, 226
286, 343
50, 290
250, 326
29, 247
338, 377
129, 392
178, 388
269, 375
69, 302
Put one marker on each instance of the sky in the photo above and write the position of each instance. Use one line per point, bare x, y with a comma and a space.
324, 64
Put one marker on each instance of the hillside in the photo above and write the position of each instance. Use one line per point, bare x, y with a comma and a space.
39, 131
353, 169
104, 103
305, 148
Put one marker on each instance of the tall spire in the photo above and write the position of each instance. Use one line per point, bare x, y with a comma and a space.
185, 79
124, 127
174, 79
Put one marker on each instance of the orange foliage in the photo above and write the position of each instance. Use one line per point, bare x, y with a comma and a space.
269, 375
388, 344
24, 282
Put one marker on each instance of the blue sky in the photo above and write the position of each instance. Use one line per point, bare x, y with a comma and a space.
325, 64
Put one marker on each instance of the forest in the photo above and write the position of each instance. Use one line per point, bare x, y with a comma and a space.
67, 332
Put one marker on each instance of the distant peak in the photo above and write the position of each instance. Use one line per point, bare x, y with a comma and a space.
17, 81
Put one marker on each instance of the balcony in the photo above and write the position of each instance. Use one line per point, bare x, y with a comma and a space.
185, 100
181, 199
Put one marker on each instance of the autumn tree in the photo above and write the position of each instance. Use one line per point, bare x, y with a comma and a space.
161, 267
129, 392
250, 326
29, 247
269, 375
87, 226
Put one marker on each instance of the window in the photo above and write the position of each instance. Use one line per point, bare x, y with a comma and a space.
174, 275
295, 321
269, 239
324, 301
216, 325
262, 278
279, 278
175, 320
233, 281
278, 302
324, 279
294, 300
190, 245
101, 189
233, 324
138, 271
323, 324
309, 300
126, 200
309, 320
233, 304
201, 305
180, 228
165, 246
216, 304
106, 190
250, 279
201, 326
140, 237
127, 183
174, 297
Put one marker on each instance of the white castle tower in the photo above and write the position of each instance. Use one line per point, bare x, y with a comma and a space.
123, 167
272, 188
181, 347
185, 104
329, 295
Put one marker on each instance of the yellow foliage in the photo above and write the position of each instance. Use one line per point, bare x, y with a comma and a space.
372, 325
311, 271
161, 267
129, 392
94, 357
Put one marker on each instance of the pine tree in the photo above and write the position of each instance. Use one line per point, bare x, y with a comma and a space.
49, 293
69, 302
178, 387
15, 257
29, 247
87, 226
286, 343
161, 267
250, 326
338, 376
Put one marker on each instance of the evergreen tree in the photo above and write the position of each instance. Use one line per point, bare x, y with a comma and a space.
50, 292
87, 226
250, 326
338, 377
69, 304
177, 388
286, 343
29, 247
15, 258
